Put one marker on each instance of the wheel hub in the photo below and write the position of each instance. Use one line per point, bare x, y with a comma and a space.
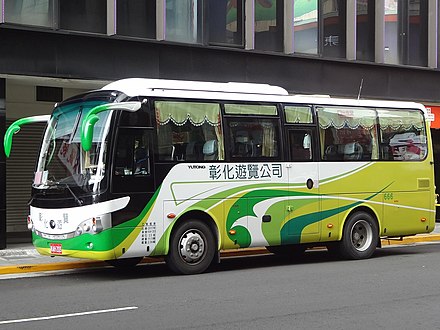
192, 247
361, 235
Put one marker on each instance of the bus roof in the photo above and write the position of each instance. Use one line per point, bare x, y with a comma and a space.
143, 86
234, 91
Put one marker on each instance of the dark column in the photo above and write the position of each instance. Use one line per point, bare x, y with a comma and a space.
2, 167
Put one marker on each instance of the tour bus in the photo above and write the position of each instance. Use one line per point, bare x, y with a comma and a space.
185, 169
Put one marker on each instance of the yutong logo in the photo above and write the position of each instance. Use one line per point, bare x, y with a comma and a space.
52, 224
196, 167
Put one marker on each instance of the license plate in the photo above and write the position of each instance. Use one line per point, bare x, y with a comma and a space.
56, 248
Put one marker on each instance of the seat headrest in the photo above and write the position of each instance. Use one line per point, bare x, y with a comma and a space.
210, 147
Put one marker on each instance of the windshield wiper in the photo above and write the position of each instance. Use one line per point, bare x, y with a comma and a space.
57, 184
77, 200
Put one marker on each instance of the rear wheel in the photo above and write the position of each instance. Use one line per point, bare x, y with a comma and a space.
192, 248
360, 236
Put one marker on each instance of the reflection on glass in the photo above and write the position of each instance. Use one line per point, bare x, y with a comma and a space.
406, 32
333, 43
226, 22
418, 33
402, 134
269, 25
83, 15
62, 161
391, 54
136, 18
29, 12
183, 20
306, 26
365, 11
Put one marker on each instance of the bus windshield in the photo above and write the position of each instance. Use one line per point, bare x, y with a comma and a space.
62, 161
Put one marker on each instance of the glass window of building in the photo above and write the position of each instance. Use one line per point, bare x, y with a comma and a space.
83, 15
226, 22
391, 52
184, 20
29, 12
406, 32
136, 18
365, 28
269, 26
305, 26
334, 28
417, 32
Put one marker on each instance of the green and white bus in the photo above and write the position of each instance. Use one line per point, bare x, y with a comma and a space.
184, 169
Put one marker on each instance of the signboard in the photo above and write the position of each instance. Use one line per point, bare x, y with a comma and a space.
433, 115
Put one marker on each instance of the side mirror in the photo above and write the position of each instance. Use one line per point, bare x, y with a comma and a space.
15, 128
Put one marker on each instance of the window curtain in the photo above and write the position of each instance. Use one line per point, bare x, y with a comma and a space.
401, 119
366, 118
198, 114
268, 148
181, 112
353, 118
346, 117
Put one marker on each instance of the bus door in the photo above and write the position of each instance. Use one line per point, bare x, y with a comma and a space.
303, 205
132, 172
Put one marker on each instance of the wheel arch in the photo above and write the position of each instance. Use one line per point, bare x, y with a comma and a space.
195, 215
362, 208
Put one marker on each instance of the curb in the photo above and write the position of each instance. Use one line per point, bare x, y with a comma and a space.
411, 240
59, 266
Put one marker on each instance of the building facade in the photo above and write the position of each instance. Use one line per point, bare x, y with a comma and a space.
52, 49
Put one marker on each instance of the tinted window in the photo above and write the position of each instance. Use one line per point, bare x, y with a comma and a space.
188, 131
253, 138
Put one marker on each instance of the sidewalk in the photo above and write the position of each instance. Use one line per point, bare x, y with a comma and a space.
23, 258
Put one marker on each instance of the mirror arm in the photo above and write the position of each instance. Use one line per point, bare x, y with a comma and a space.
15, 127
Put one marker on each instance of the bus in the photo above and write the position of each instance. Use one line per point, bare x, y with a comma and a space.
185, 169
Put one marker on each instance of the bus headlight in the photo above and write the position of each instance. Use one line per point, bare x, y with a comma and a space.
78, 231
89, 226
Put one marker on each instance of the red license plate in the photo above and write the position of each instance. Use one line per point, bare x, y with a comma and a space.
56, 248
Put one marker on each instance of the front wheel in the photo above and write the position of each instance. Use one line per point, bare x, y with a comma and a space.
192, 248
360, 236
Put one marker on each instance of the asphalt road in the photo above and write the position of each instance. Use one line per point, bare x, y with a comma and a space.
397, 289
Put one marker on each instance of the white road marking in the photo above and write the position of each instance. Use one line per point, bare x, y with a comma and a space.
42, 318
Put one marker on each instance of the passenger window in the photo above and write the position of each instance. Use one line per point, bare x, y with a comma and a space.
253, 138
402, 139
298, 114
348, 134
300, 141
188, 131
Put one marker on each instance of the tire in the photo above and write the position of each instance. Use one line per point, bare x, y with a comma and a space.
192, 248
287, 251
126, 263
360, 237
